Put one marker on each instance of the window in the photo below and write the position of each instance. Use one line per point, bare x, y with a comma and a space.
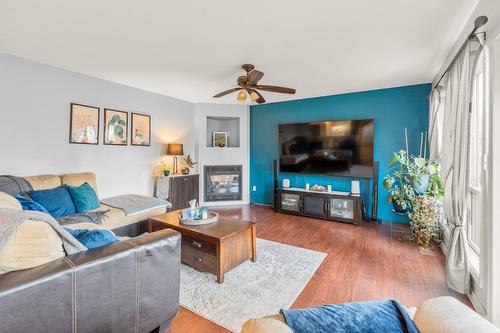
477, 159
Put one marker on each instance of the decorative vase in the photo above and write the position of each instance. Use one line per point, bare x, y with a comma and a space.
422, 186
399, 208
166, 173
185, 171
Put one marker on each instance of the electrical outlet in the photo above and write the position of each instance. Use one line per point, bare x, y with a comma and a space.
254, 188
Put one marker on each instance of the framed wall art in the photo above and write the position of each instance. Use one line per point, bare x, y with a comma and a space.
84, 124
115, 127
219, 139
140, 129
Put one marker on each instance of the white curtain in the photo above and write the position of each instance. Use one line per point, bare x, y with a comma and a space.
452, 149
436, 113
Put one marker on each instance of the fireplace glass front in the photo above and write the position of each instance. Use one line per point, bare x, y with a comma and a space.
222, 183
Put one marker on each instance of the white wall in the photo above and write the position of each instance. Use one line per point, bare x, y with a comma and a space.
223, 156
34, 126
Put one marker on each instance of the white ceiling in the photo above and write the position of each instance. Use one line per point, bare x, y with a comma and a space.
193, 49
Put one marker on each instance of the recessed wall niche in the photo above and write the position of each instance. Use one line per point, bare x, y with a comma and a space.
230, 125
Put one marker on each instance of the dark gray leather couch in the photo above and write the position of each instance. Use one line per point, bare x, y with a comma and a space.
130, 286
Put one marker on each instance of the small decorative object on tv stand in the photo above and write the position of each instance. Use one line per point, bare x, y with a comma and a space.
318, 188
333, 206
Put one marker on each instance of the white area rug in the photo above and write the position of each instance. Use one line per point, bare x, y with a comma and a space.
250, 290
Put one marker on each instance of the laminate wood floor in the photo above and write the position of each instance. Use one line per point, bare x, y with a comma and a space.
365, 262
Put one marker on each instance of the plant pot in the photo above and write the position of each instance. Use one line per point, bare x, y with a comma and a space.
166, 173
185, 171
421, 188
399, 208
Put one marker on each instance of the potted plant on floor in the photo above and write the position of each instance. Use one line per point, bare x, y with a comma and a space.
398, 183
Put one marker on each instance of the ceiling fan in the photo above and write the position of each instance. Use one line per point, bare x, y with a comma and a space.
248, 84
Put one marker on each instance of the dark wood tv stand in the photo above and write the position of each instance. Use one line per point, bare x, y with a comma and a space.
332, 206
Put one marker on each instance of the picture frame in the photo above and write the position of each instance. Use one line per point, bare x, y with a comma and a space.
140, 129
115, 127
84, 124
219, 139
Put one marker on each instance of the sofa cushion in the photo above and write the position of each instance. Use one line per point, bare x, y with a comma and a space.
57, 201
116, 218
33, 243
271, 324
84, 198
448, 315
93, 238
78, 179
29, 204
43, 182
7, 201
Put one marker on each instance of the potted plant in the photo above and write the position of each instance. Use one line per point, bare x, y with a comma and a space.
424, 222
162, 169
425, 176
189, 164
398, 185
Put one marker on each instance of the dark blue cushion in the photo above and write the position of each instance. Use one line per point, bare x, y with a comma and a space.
29, 204
386, 316
93, 238
84, 198
57, 201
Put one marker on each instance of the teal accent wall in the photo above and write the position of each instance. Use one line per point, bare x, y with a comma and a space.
393, 109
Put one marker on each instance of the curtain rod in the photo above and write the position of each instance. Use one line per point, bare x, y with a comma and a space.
478, 23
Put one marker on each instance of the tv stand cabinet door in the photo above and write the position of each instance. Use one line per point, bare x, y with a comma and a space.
344, 209
315, 205
290, 202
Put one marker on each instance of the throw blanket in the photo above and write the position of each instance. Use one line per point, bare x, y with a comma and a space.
363, 317
10, 219
134, 203
14, 185
96, 217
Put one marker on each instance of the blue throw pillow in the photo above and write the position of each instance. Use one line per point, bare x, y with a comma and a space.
84, 198
57, 201
29, 204
93, 238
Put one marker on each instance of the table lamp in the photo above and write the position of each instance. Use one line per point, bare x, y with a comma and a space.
175, 149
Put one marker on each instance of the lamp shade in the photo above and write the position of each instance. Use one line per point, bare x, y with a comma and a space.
175, 149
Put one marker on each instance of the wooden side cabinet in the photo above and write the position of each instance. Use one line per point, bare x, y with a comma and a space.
182, 189
324, 205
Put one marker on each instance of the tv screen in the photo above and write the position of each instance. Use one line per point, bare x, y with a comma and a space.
332, 148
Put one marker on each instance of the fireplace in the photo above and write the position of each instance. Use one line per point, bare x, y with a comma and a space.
222, 182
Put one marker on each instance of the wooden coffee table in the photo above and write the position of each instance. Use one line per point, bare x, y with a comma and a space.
214, 248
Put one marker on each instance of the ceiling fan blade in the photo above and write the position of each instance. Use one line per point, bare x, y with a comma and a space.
282, 90
254, 76
259, 100
227, 92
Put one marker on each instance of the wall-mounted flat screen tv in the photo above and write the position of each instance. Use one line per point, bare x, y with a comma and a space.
331, 148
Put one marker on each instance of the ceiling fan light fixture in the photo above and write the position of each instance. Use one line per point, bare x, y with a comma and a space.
253, 96
248, 86
242, 95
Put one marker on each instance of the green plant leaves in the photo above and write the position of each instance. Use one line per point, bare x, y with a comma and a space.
394, 159
408, 171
